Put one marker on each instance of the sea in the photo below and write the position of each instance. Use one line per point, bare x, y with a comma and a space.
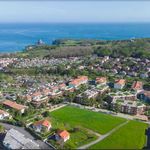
16, 36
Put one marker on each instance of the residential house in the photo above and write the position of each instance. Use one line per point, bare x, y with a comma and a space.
37, 102
36, 95
3, 114
128, 106
14, 105
88, 94
62, 86
38, 98
137, 86
69, 88
101, 80
42, 125
55, 91
78, 81
62, 135
127, 95
119, 84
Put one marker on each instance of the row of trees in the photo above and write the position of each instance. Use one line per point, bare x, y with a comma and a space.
135, 48
62, 48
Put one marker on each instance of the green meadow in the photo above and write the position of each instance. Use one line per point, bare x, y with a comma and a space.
130, 136
98, 122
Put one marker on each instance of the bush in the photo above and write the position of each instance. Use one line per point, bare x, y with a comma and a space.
46, 114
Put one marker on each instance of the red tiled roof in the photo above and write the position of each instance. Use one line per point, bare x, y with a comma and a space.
44, 122
63, 134
78, 80
62, 85
120, 81
75, 82
2, 112
137, 85
101, 79
13, 105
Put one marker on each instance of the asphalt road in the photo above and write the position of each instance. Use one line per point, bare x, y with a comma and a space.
27, 134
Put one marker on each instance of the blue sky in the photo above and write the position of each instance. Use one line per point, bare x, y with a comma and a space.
115, 11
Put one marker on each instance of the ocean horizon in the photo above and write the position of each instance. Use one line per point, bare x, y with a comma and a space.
16, 36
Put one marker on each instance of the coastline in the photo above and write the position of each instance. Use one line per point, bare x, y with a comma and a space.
16, 36
54, 43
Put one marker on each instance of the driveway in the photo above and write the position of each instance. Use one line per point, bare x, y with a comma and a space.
26, 134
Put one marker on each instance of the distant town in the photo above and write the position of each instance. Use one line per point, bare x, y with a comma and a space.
78, 101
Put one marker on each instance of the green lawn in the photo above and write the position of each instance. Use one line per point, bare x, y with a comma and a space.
130, 136
78, 137
99, 122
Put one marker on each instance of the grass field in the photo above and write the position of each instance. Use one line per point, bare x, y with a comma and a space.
98, 122
130, 136
78, 137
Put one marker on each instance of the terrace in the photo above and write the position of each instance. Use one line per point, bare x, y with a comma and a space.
89, 94
128, 103
128, 95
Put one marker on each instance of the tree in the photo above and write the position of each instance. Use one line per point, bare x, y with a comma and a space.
70, 97
57, 100
100, 51
117, 107
46, 114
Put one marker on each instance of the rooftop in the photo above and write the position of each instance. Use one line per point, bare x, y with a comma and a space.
137, 85
16, 140
120, 81
13, 105
120, 93
3, 112
128, 103
44, 122
63, 134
